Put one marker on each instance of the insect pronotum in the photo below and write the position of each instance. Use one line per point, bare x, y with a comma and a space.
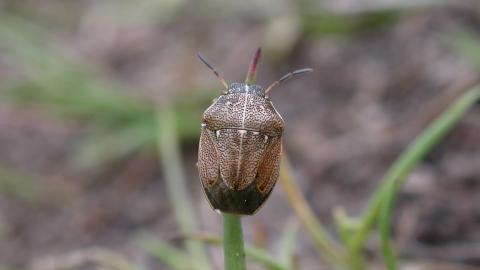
241, 144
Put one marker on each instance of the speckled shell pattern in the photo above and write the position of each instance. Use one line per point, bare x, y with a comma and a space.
239, 151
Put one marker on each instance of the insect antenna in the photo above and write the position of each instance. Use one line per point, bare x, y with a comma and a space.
222, 80
287, 77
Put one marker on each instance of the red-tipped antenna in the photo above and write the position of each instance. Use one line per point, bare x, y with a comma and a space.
222, 80
252, 70
287, 77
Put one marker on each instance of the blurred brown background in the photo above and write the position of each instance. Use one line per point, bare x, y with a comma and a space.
82, 84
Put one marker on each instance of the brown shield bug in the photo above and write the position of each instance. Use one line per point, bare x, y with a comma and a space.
241, 144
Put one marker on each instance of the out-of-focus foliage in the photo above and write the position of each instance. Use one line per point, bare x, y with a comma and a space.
18, 185
122, 122
332, 24
467, 44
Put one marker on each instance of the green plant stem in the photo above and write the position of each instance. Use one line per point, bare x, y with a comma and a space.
396, 175
257, 254
367, 222
321, 238
389, 255
168, 148
233, 248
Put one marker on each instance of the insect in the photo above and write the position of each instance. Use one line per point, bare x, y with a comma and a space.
241, 144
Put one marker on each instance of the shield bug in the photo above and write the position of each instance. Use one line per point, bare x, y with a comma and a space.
241, 144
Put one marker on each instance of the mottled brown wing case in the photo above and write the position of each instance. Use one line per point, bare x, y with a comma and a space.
269, 168
208, 158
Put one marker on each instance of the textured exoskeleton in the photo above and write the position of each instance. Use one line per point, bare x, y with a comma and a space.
240, 149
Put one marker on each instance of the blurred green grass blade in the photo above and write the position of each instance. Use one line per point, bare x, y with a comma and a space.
109, 259
171, 162
323, 23
18, 185
467, 44
81, 98
25, 39
70, 87
287, 245
397, 174
384, 222
84, 100
52, 78
167, 254
112, 145
263, 258
8, 268
189, 109
346, 226
326, 245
